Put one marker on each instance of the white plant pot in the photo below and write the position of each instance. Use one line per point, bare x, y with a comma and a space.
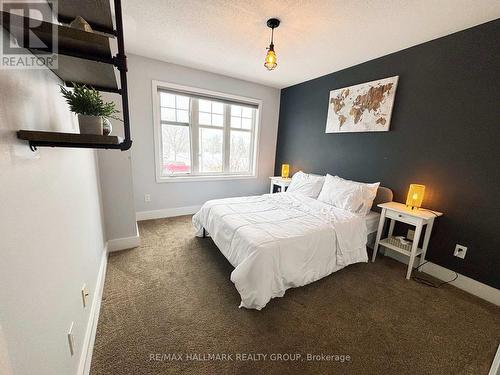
90, 124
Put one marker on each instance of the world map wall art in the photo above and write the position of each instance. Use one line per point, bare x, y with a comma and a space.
365, 107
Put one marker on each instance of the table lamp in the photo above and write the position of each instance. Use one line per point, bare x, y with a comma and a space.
415, 196
285, 170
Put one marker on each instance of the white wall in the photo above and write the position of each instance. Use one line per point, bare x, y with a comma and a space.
116, 185
51, 230
181, 194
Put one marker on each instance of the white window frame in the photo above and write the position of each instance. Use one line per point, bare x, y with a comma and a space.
159, 85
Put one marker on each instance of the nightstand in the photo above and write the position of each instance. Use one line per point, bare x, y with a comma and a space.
418, 218
283, 183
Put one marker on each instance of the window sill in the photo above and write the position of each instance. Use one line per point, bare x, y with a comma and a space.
204, 178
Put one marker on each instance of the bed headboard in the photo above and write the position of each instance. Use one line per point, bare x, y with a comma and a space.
383, 195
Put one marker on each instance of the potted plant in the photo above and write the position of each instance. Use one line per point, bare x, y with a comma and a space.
87, 103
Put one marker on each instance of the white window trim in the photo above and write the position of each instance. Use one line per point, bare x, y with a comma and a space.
155, 86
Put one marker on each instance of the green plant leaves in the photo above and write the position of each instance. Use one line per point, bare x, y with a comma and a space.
87, 101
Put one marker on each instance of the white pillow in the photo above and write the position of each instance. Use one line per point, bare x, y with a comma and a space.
356, 197
306, 184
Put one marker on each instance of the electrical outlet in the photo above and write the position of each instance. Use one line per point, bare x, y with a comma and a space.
147, 197
71, 340
460, 251
85, 295
411, 234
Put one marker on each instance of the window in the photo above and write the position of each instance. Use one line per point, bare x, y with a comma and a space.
202, 134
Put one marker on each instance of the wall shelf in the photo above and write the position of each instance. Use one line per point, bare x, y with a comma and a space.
84, 58
76, 140
70, 41
91, 73
96, 12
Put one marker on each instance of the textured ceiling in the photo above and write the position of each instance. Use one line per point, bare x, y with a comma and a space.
316, 37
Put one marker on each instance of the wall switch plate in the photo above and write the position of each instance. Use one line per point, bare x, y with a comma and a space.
71, 339
460, 251
147, 197
85, 295
411, 234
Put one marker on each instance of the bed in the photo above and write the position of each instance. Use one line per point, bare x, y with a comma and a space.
284, 240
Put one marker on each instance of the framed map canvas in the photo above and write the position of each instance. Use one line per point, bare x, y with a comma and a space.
365, 107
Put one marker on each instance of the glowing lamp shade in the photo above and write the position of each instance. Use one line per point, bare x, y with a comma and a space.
415, 196
270, 62
285, 170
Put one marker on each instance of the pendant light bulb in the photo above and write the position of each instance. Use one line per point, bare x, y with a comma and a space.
271, 60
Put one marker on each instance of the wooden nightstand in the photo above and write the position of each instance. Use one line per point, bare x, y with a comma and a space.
283, 183
417, 217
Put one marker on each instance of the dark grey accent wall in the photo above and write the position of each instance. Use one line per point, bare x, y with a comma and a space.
444, 133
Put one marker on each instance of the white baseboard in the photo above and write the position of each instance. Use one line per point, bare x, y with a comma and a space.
88, 341
495, 366
125, 243
167, 212
465, 283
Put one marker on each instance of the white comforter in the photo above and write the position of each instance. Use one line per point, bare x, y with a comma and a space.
280, 241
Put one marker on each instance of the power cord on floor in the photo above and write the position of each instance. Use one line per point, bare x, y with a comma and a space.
421, 280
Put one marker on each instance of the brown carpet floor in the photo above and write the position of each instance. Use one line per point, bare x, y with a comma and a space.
173, 295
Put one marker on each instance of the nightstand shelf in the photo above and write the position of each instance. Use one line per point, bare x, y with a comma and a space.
385, 242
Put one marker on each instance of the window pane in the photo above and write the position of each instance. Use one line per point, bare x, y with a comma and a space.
182, 102
211, 150
217, 120
235, 110
223, 145
246, 123
205, 118
217, 107
176, 149
182, 116
205, 105
167, 114
239, 160
235, 122
247, 112
167, 100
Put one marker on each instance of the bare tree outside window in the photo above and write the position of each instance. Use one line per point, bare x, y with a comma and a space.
240, 151
176, 149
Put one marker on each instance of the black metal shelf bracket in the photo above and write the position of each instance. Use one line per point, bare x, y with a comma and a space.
121, 146
121, 58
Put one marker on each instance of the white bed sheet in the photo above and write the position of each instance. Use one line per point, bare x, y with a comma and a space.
372, 219
280, 241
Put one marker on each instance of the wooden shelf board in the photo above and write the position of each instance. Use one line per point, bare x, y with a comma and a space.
96, 12
69, 138
90, 73
70, 41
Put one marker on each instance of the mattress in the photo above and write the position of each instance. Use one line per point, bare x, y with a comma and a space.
280, 241
372, 220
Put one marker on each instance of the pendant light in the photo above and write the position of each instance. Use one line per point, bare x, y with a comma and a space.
270, 62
